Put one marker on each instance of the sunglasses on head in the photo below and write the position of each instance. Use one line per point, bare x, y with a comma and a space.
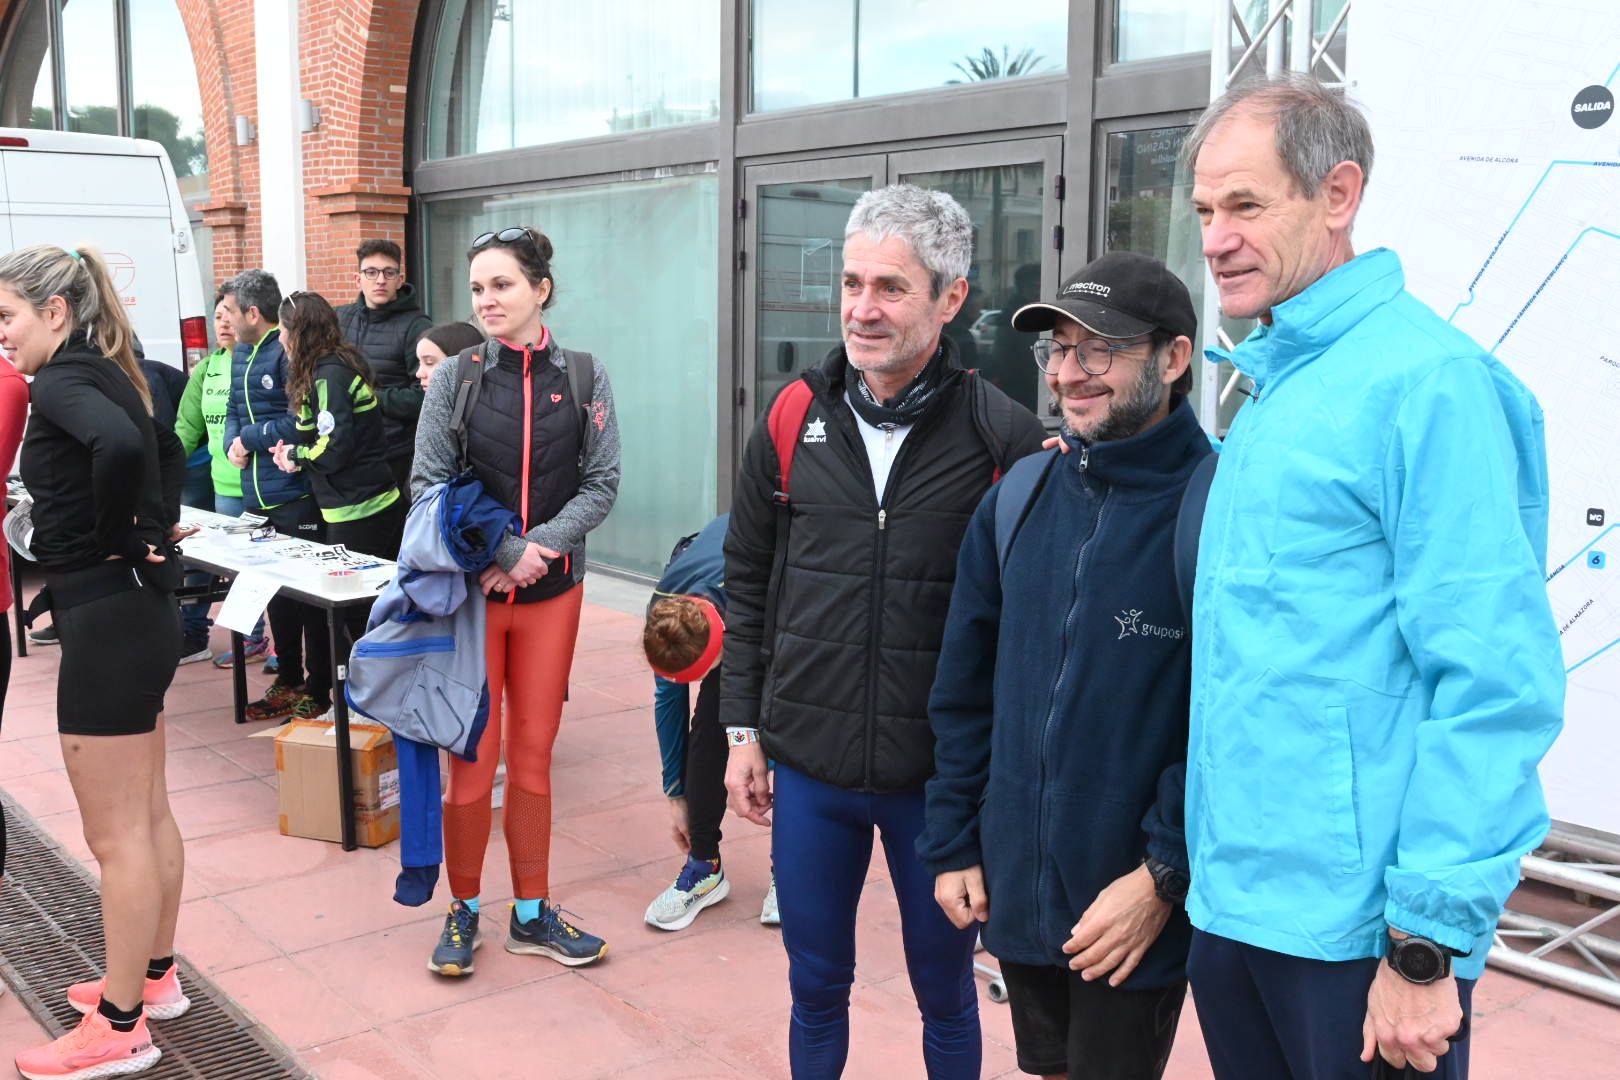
505, 236
289, 304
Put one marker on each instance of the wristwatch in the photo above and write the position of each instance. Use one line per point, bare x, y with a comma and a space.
1169, 883
1419, 960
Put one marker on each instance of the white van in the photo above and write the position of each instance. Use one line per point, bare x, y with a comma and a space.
118, 195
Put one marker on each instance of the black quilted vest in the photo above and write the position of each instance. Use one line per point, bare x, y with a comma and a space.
495, 447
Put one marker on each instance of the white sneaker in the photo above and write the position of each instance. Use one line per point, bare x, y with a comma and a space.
768, 915
699, 885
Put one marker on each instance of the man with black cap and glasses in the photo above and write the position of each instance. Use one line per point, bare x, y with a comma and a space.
1060, 707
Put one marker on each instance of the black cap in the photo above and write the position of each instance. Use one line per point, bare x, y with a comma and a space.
1118, 295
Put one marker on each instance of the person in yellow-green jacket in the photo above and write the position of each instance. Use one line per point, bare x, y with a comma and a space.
339, 443
200, 424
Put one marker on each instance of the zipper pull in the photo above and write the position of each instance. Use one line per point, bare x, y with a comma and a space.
883, 518
1085, 457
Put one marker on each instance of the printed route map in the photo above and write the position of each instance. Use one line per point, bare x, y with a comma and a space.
1496, 178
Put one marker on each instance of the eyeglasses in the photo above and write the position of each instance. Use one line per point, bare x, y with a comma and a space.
1094, 355
372, 273
505, 236
289, 305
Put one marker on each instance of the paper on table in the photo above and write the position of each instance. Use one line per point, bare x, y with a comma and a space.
250, 592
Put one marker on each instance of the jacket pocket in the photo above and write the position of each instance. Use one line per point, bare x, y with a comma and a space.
414, 647
1340, 760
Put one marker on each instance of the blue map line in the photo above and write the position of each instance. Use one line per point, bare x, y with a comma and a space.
1561, 568
1612, 74
1569, 561
1527, 200
1594, 656
1582, 235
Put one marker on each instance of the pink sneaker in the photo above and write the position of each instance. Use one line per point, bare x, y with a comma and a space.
162, 998
90, 1051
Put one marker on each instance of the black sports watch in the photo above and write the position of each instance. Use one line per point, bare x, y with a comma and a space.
1419, 960
1169, 883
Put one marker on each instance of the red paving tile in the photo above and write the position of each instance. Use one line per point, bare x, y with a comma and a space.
308, 939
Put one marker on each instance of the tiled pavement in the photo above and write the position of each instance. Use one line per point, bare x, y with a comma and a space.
308, 940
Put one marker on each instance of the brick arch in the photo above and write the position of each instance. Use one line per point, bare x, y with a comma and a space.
220, 33
355, 66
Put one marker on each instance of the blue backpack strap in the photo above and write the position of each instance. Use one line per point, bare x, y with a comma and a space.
1015, 494
1189, 522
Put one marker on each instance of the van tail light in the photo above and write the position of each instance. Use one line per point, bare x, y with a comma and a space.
194, 340
13, 140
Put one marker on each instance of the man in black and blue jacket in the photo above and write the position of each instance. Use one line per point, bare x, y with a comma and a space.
256, 422
1060, 705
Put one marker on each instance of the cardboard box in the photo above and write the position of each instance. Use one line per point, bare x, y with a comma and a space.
306, 772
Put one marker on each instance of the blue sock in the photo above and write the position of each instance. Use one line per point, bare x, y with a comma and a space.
472, 905
528, 910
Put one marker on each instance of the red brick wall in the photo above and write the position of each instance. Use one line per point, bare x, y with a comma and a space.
355, 64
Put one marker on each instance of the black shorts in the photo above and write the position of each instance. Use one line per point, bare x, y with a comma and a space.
118, 658
1091, 1031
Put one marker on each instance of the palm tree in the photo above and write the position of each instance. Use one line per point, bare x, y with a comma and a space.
987, 65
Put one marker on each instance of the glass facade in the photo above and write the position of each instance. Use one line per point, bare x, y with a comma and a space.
1006, 203
600, 69
165, 102
812, 54
636, 290
1148, 208
1152, 29
90, 65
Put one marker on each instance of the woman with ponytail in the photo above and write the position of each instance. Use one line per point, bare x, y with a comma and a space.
341, 444
106, 482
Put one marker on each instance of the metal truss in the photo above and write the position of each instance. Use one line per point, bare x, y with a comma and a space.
1287, 36
1574, 958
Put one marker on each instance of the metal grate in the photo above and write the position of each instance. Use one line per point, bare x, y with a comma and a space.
50, 936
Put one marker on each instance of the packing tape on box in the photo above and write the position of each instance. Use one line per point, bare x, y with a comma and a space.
345, 581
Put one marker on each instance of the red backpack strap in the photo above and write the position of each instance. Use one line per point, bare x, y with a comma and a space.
785, 424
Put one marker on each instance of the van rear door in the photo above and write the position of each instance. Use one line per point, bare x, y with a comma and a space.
5, 210
115, 202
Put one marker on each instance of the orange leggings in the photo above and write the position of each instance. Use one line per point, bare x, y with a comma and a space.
528, 651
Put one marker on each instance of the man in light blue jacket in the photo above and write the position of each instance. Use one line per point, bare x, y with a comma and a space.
1376, 670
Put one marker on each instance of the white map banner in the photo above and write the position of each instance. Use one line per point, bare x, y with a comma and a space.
1497, 180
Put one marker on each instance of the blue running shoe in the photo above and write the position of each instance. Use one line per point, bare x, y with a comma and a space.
700, 884
554, 936
457, 942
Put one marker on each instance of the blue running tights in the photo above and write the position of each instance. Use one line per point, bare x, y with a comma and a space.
821, 845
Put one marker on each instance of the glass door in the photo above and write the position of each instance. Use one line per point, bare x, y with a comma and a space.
793, 247
1009, 191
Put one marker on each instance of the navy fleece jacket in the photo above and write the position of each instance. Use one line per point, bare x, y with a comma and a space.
1060, 706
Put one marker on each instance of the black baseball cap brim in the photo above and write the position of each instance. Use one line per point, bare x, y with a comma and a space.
1104, 322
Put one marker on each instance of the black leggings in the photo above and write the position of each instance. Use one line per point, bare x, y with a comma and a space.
299, 629
705, 775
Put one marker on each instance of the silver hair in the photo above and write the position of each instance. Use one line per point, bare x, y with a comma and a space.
933, 224
1315, 128
255, 288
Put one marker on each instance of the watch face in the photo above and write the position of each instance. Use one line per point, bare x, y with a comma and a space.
1417, 962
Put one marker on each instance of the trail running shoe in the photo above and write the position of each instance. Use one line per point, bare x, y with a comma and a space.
458, 940
278, 703
272, 664
554, 936
768, 915
44, 636
93, 1050
700, 884
253, 652
162, 998
309, 709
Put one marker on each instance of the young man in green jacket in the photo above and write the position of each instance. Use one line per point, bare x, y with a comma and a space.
200, 421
